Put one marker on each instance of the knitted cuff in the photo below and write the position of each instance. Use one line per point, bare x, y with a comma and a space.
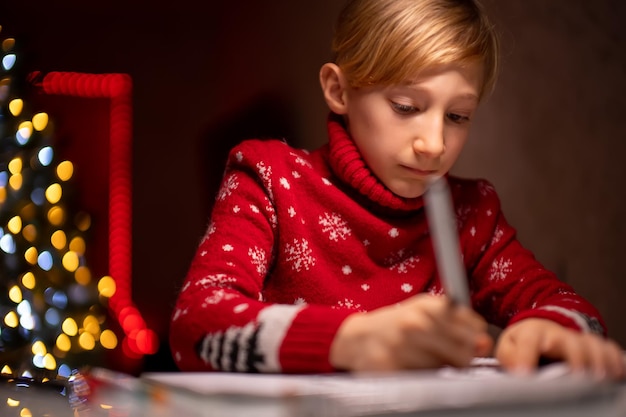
306, 345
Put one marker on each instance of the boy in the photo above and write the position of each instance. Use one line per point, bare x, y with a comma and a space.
323, 261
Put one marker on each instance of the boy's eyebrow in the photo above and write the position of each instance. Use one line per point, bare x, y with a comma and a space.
464, 96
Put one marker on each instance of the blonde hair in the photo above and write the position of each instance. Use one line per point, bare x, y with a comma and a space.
388, 41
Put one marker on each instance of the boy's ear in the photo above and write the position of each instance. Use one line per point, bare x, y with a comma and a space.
334, 87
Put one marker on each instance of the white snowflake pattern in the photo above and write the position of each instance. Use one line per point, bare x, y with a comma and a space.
257, 256
266, 175
485, 188
291, 211
299, 255
301, 161
394, 232
209, 231
236, 209
348, 303
401, 263
489, 212
299, 301
229, 185
435, 291
366, 242
326, 181
203, 253
285, 183
500, 269
239, 156
216, 280
269, 209
217, 297
473, 231
462, 214
295, 174
406, 287
335, 226
497, 235
178, 313
240, 308
227, 248
365, 287
254, 209
346, 270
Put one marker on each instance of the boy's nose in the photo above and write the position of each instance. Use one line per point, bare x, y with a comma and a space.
429, 140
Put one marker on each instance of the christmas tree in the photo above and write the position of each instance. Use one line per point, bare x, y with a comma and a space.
52, 310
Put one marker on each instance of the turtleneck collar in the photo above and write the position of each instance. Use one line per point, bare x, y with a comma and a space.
347, 163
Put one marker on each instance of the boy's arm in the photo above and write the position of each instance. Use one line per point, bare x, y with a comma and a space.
221, 321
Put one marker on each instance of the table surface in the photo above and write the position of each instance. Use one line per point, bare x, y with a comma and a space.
104, 393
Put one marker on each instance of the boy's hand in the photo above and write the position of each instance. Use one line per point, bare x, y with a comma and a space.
421, 332
521, 345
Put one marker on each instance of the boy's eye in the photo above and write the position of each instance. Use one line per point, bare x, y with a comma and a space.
403, 108
457, 118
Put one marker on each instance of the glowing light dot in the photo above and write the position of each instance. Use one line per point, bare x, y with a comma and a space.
108, 339
106, 286
11, 319
78, 245
15, 224
7, 243
63, 343
40, 121
12, 402
25, 412
58, 239
53, 193
16, 106
6, 370
31, 255
15, 166
45, 156
28, 280
70, 261
87, 341
56, 216
3, 194
39, 348
82, 275
8, 44
91, 325
69, 327
29, 232
24, 132
8, 61
16, 181
49, 362
44, 260
65, 170
83, 221
15, 294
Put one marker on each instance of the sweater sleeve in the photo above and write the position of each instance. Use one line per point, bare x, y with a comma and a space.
509, 284
221, 319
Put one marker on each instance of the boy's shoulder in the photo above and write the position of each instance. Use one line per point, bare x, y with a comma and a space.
472, 190
266, 147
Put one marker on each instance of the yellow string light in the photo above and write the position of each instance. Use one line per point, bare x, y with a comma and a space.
40, 121
15, 106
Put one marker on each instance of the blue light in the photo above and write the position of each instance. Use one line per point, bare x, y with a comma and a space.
59, 299
4, 178
45, 260
38, 196
7, 244
8, 61
52, 317
45, 156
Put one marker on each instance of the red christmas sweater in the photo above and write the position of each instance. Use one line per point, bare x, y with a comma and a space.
299, 240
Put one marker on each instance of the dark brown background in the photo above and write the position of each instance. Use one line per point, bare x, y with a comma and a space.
208, 73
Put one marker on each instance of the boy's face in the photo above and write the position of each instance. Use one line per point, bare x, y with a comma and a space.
407, 133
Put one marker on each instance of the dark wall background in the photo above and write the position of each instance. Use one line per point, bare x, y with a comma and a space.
206, 74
